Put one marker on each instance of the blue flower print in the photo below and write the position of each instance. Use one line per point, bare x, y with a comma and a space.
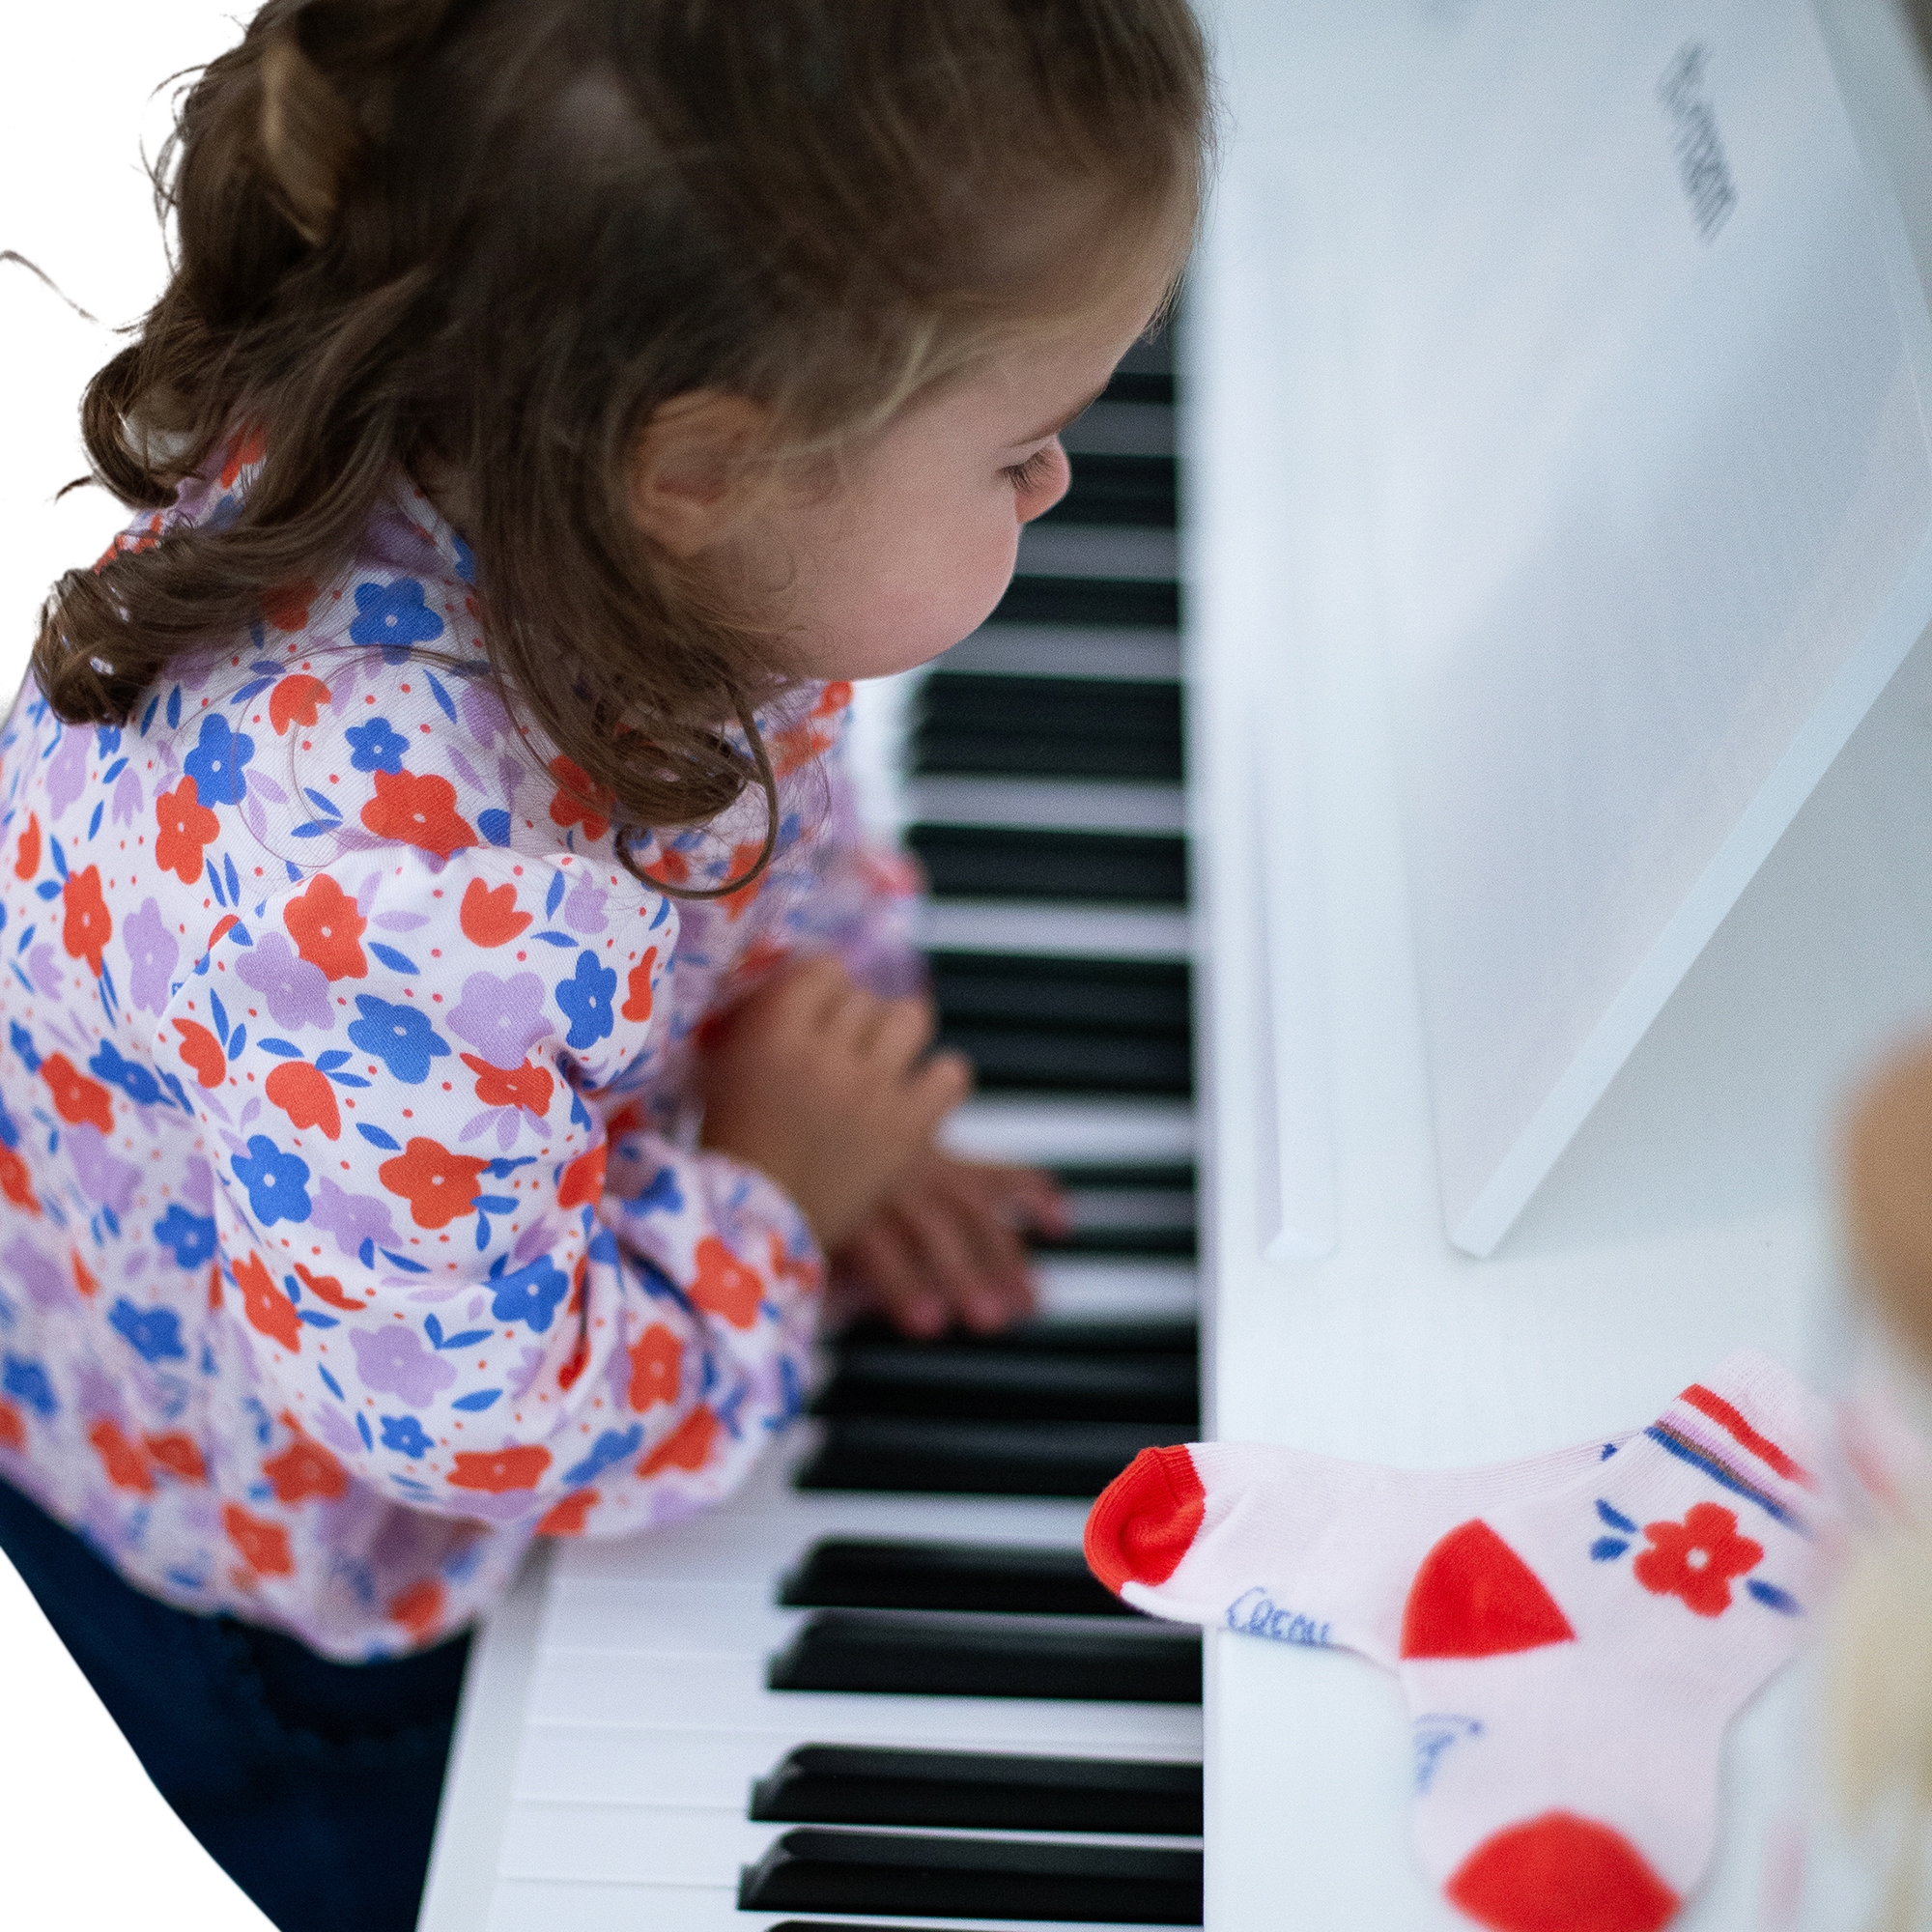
154, 1333
532, 1293
587, 998
405, 1435
27, 1381
610, 1449
216, 760
394, 617
379, 747
190, 1236
133, 1078
662, 1196
277, 1183
400, 1037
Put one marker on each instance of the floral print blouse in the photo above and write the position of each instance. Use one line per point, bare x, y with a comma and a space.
353, 1228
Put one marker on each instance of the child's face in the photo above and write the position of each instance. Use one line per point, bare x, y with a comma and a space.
916, 544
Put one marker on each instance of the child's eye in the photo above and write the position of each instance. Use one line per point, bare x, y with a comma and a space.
1034, 472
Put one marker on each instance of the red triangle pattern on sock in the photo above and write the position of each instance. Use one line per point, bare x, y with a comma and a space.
1475, 1597
1560, 1873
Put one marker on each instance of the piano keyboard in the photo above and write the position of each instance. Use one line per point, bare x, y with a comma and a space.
879, 1688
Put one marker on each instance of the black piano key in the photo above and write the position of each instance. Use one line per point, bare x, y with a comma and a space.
1162, 1176
944, 1654
844, 1785
1007, 1060
1000, 863
933, 1379
1107, 710
884, 1574
942, 1456
1136, 492
1166, 1334
1140, 385
819, 1870
1110, 603
1125, 1243
1059, 995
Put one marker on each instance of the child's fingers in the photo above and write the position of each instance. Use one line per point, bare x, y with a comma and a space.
878, 1255
1026, 1196
898, 1033
940, 1084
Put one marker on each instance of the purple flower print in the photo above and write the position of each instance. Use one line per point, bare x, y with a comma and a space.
152, 953
393, 1361
105, 1179
295, 989
584, 909
126, 796
500, 1018
198, 1185
355, 1220
44, 969
44, 1280
66, 769
335, 1430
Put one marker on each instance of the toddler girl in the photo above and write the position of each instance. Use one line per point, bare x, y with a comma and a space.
449, 1015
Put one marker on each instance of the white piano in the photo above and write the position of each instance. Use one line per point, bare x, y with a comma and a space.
1559, 755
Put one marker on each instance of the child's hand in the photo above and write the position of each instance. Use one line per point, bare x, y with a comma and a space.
829, 1089
943, 1246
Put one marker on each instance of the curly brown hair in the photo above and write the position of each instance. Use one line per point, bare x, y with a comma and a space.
481, 242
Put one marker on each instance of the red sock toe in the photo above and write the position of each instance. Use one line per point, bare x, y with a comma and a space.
1140, 1529
1562, 1874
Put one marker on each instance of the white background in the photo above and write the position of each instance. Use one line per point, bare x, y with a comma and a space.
85, 1841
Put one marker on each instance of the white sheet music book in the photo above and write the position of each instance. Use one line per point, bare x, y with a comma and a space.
1655, 508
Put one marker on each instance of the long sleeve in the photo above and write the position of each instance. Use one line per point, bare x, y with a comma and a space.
447, 1249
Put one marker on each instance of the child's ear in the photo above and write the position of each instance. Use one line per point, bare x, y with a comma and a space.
689, 466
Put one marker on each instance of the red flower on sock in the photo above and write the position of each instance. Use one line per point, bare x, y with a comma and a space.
1695, 1559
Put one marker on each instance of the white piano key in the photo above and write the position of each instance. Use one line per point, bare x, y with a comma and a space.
632, 1764
1091, 931
545, 1905
638, 1844
581, 1687
1054, 804
1097, 1289
1058, 1131
1095, 549
1065, 650
1121, 429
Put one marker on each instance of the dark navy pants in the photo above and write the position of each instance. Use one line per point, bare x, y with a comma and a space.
313, 1784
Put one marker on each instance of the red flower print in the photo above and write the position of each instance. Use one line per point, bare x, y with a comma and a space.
489, 915
834, 699
126, 1466
583, 1181
28, 860
808, 1274
669, 868
526, 1085
13, 1431
186, 825
439, 1186
579, 1358
327, 929
179, 1455
295, 699
77, 1097
305, 1097
88, 925
83, 1279
246, 448
726, 1286
202, 1052
418, 1608
579, 802
656, 1358
743, 858
286, 606
326, 1288
263, 1546
269, 1310
304, 1470
418, 812
638, 1005
504, 1469
566, 1518
687, 1447
1695, 1559
16, 1183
